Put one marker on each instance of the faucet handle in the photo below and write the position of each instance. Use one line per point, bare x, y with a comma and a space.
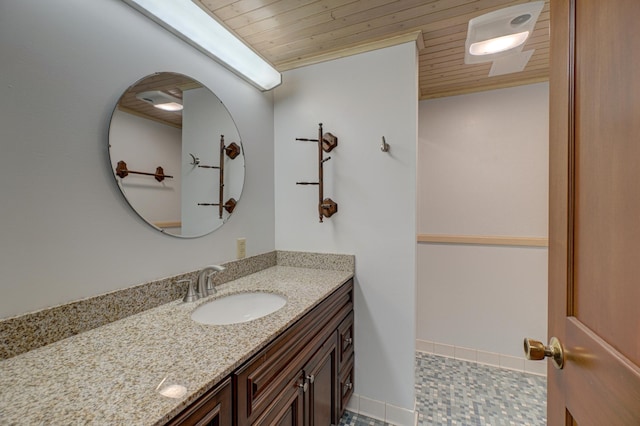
192, 295
205, 286
210, 287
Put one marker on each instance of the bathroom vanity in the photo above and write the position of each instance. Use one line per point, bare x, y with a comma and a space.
293, 366
296, 378
303, 377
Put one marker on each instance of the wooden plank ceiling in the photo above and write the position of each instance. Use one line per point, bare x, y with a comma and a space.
294, 33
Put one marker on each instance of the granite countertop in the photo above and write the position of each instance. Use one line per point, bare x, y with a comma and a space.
113, 374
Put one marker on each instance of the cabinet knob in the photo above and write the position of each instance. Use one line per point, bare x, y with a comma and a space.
348, 385
311, 378
304, 386
348, 341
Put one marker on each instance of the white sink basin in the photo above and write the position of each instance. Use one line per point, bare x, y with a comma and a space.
237, 308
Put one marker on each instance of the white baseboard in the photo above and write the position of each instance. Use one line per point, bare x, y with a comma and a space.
383, 411
478, 356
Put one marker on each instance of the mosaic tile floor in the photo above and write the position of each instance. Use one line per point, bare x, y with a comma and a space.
453, 392
351, 419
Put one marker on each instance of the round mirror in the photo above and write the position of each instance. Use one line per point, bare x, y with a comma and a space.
176, 155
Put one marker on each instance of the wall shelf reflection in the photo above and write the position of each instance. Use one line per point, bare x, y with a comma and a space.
232, 151
123, 172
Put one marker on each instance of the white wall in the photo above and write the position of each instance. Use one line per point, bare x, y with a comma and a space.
67, 232
483, 170
359, 99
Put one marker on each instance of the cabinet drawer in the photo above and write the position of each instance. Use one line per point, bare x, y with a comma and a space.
345, 340
346, 385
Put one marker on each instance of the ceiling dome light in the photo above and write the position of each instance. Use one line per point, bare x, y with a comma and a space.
161, 100
500, 33
498, 44
169, 106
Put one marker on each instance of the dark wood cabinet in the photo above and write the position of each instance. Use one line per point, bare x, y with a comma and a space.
214, 408
305, 358
297, 379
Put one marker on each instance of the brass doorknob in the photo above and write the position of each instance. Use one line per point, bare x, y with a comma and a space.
535, 351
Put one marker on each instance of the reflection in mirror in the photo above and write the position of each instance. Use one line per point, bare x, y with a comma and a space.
176, 155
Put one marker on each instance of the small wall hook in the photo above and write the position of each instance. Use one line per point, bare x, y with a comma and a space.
385, 146
195, 160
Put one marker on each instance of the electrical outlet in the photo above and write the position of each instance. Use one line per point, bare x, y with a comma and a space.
241, 248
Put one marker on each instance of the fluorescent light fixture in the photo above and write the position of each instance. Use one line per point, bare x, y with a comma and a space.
500, 33
188, 21
161, 100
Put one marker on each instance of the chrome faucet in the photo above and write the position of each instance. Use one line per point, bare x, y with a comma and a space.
205, 286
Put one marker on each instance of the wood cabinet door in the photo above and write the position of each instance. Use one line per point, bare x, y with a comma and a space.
594, 224
211, 409
321, 373
287, 408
